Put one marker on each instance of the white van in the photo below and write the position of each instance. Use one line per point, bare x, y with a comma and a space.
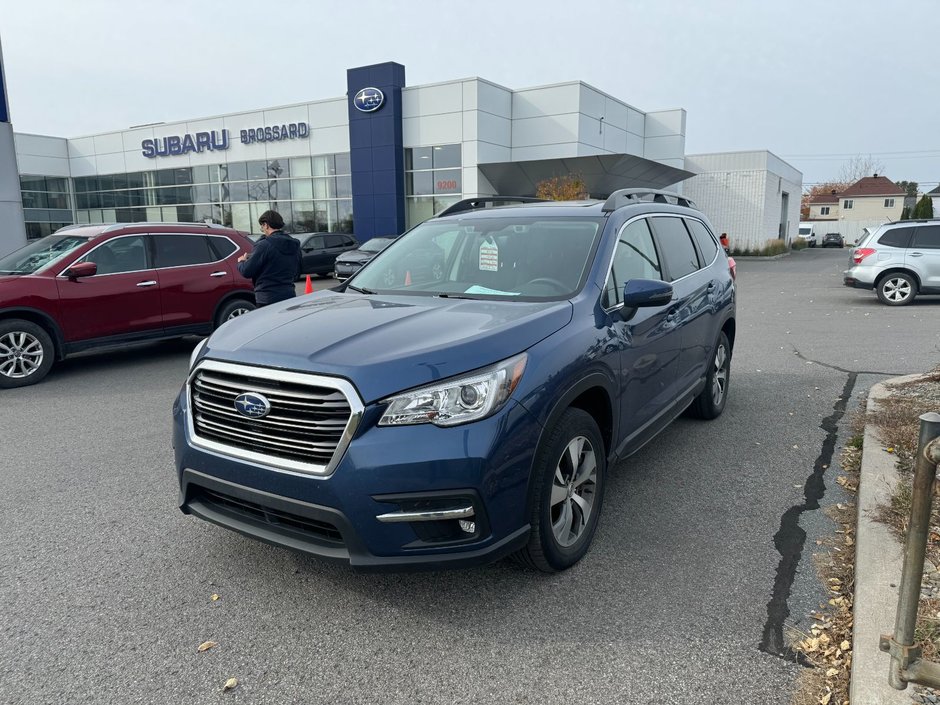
808, 233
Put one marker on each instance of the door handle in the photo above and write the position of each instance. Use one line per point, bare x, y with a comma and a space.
148, 283
917, 254
711, 286
217, 274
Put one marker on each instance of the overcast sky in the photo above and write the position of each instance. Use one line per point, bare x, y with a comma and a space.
814, 82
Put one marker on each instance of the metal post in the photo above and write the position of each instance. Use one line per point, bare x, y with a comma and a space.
925, 472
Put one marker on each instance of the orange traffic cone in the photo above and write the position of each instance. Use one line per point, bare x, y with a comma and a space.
408, 278
309, 288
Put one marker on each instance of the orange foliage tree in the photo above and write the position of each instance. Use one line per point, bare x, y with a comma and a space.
562, 188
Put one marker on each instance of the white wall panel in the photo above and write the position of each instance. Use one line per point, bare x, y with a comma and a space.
615, 139
546, 151
41, 146
591, 131
551, 100
131, 139
432, 129
82, 166
82, 147
661, 148
470, 90
636, 122
109, 144
442, 98
488, 153
494, 99
328, 113
545, 130
328, 140
110, 163
592, 102
665, 122
493, 128
42, 166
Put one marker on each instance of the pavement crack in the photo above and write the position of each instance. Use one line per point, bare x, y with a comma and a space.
845, 371
790, 538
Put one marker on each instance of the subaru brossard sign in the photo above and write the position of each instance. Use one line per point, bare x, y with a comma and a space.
368, 100
218, 140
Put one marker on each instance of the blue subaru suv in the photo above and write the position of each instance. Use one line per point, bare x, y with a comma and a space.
462, 397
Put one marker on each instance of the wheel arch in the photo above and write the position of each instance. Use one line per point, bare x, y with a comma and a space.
241, 294
898, 270
42, 319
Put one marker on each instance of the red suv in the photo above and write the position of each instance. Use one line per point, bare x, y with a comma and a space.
92, 286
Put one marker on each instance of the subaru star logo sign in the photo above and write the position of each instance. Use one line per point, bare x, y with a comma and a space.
368, 100
252, 405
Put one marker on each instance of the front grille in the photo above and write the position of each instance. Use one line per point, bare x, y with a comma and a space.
303, 430
323, 531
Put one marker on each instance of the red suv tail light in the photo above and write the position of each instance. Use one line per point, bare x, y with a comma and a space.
861, 253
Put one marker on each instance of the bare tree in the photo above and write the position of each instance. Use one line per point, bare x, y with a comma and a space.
858, 167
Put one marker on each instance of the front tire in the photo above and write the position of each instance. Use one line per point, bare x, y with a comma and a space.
26, 353
897, 289
567, 492
711, 401
233, 309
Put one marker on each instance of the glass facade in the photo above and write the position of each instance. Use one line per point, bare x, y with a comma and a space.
433, 181
47, 205
311, 193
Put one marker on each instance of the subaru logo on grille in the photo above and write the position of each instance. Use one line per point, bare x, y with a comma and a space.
368, 100
252, 405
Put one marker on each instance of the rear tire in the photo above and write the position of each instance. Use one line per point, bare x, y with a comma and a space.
896, 289
567, 492
26, 353
711, 402
233, 309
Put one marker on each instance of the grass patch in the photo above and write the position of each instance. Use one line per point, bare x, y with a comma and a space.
798, 243
769, 249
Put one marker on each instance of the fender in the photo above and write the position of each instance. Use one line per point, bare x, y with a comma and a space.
593, 379
240, 294
44, 319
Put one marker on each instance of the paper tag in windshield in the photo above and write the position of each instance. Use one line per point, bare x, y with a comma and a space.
489, 257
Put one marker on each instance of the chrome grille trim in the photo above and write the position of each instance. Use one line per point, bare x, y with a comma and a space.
306, 433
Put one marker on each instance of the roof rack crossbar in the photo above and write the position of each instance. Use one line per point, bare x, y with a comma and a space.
115, 226
471, 204
627, 196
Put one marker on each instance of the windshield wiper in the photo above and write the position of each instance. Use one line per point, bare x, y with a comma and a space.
444, 295
9, 271
362, 290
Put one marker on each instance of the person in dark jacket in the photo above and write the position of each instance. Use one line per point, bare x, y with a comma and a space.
274, 264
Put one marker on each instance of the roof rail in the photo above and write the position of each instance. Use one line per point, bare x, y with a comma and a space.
73, 226
627, 196
115, 226
472, 204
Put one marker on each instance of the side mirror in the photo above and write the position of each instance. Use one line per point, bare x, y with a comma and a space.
646, 292
82, 269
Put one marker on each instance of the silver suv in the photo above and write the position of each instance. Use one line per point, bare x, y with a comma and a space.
898, 260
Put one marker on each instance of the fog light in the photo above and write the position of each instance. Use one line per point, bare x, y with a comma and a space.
467, 526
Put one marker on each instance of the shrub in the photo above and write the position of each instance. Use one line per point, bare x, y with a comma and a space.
769, 249
798, 244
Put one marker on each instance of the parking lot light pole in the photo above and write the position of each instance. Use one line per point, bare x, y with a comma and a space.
906, 664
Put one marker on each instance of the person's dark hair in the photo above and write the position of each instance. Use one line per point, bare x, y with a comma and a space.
272, 218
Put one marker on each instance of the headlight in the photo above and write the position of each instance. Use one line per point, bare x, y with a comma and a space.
198, 349
459, 400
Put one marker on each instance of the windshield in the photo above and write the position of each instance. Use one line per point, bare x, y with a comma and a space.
40, 253
376, 244
486, 258
805, 231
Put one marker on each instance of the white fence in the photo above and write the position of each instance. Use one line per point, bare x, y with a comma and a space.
850, 230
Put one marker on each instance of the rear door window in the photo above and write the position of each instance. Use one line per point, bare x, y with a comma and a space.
896, 237
222, 247
181, 250
676, 246
927, 237
706, 241
335, 241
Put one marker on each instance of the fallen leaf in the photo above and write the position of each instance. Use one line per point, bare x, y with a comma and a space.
230, 684
215, 597
205, 646
824, 700
845, 645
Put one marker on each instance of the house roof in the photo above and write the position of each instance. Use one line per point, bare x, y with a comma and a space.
825, 198
872, 186
934, 192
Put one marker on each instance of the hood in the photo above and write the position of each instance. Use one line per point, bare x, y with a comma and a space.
356, 256
385, 344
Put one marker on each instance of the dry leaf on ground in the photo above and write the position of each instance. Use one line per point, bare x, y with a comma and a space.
206, 645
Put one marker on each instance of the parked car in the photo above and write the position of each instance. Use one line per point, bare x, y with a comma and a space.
898, 260
833, 240
350, 262
452, 420
93, 286
807, 232
320, 250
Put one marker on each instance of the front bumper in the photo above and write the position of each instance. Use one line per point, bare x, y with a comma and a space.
379, 508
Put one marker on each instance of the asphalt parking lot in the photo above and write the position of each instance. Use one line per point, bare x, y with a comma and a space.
702, 554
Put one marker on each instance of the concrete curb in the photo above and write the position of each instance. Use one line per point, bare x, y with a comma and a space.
878, 561
756, 257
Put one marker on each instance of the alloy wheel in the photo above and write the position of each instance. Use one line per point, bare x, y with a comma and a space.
21, 354
574, 487
897, 289
720, 378
241, 311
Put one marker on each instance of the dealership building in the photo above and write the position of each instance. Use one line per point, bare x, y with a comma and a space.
376, 161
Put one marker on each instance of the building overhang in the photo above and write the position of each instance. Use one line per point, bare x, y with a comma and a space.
603, 173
